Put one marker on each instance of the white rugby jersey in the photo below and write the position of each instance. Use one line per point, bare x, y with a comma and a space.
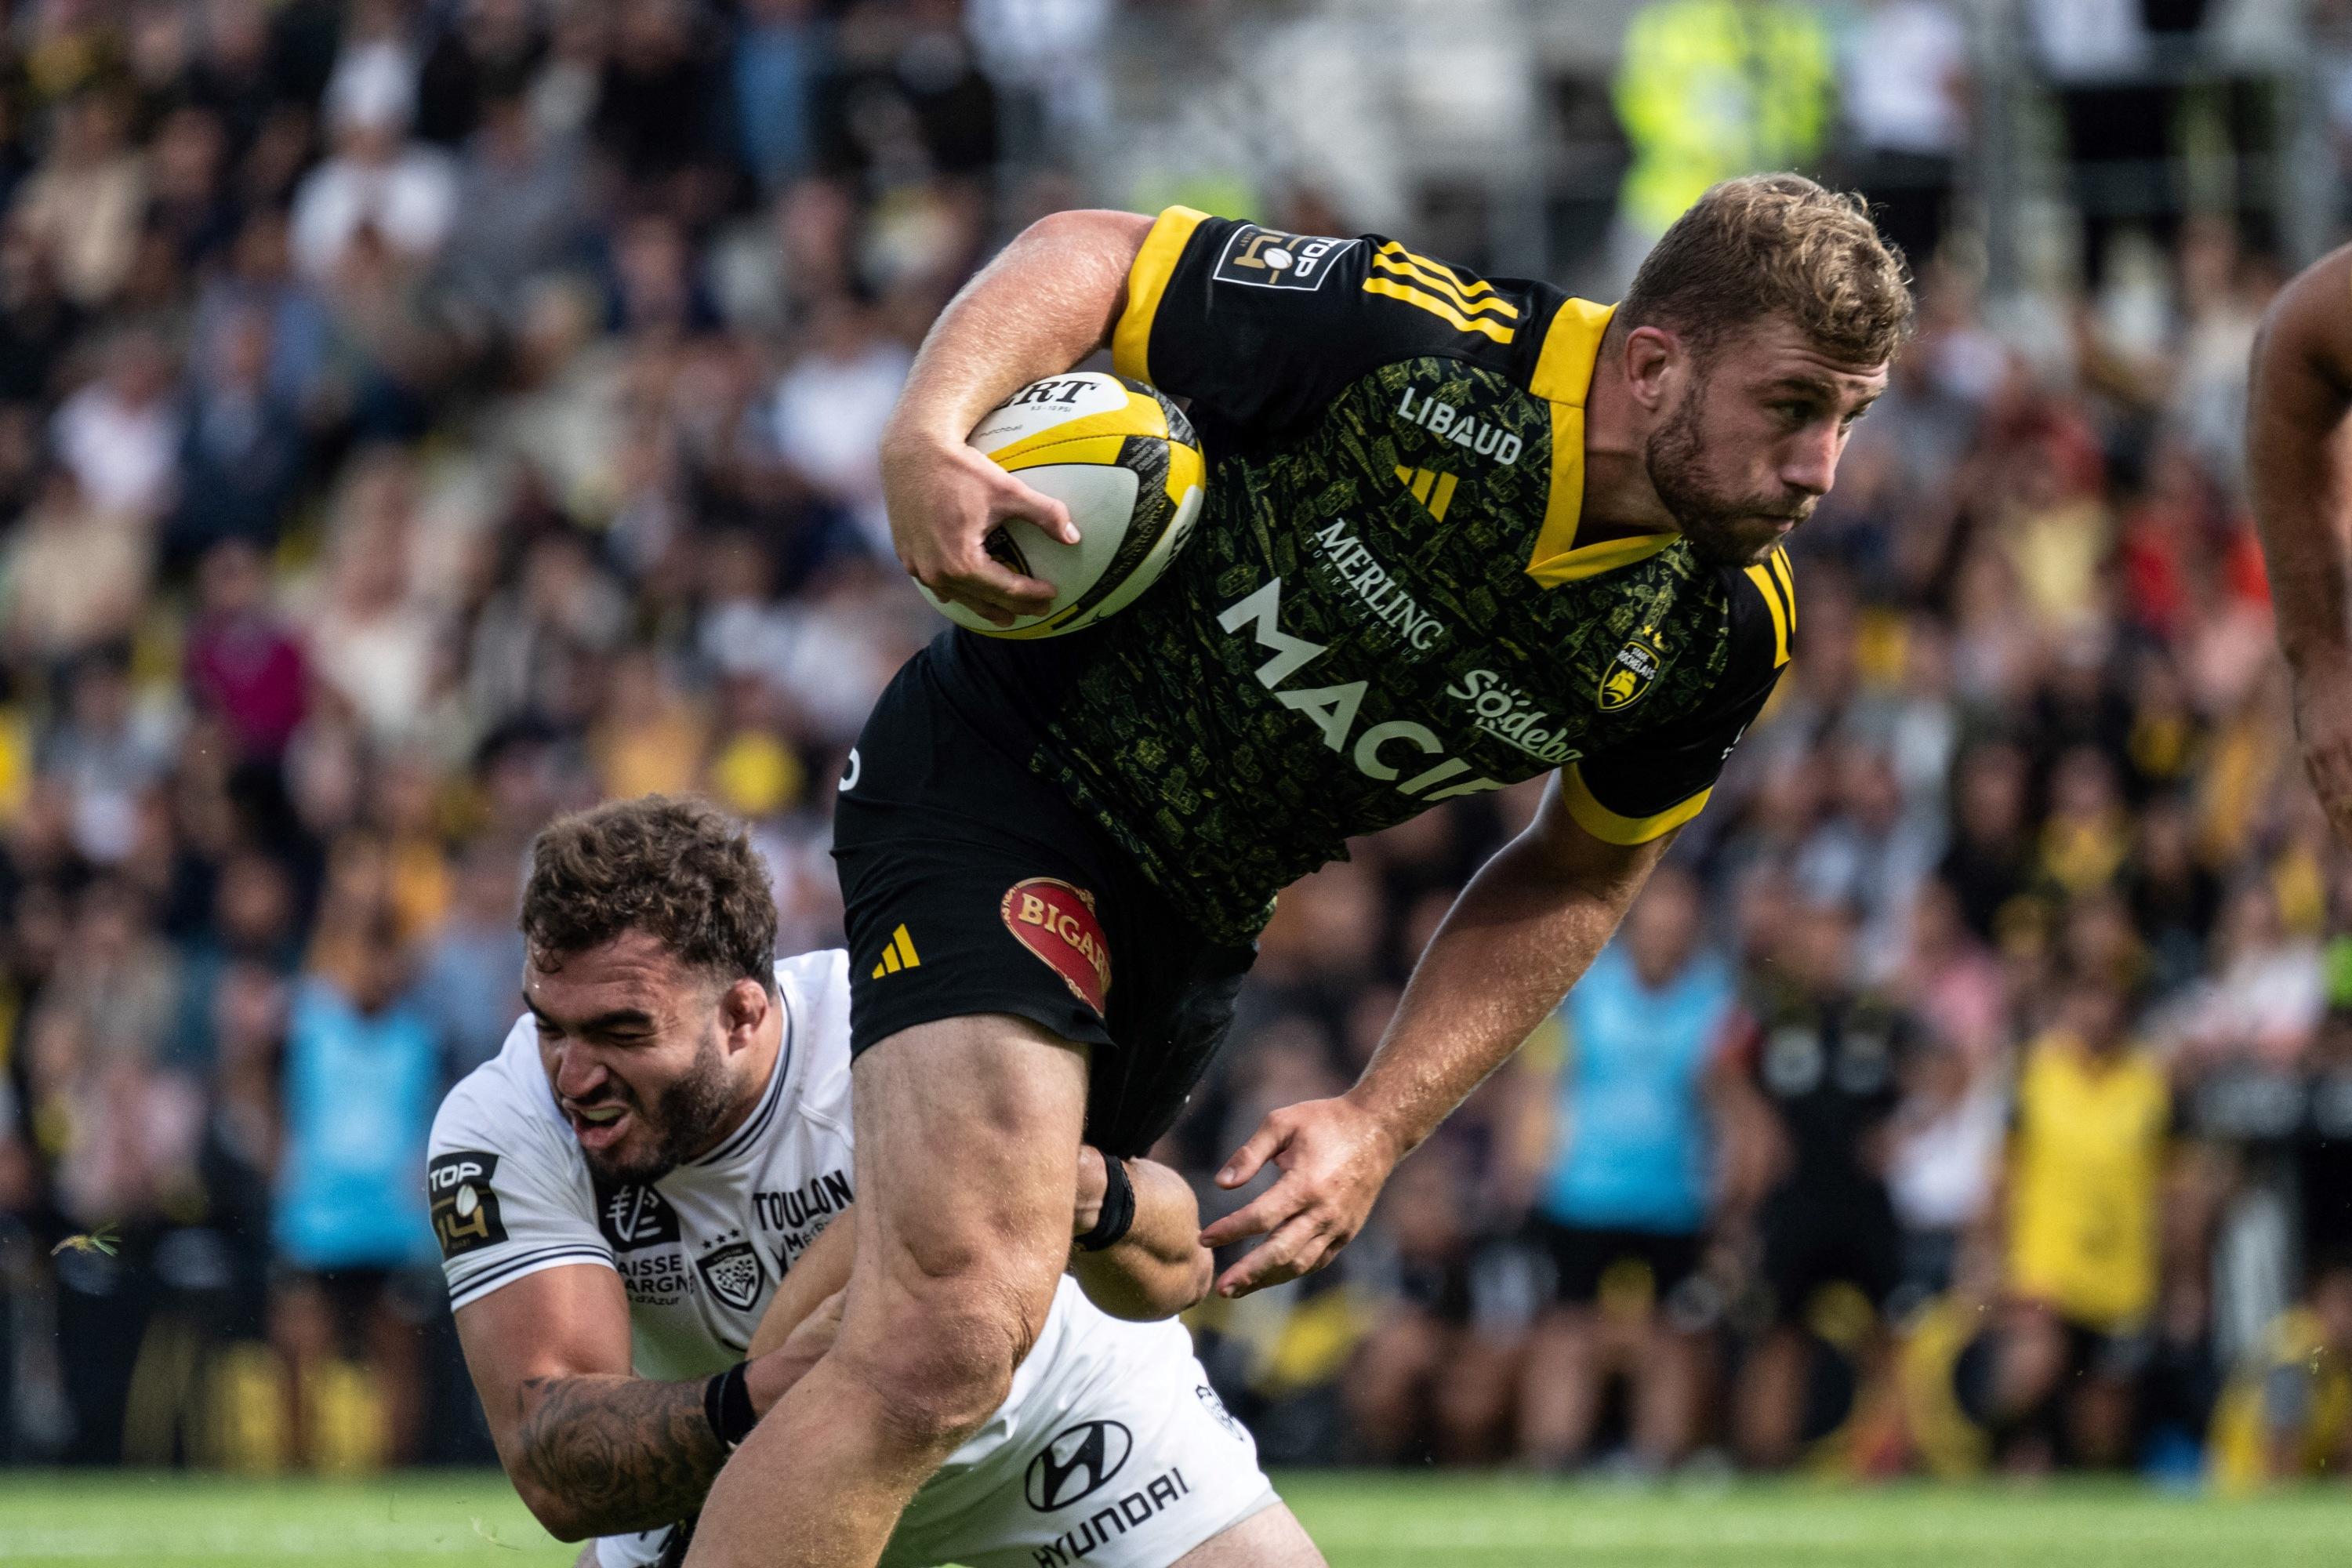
700, 1250
699, 1253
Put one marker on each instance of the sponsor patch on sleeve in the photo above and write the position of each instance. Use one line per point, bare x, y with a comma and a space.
1057, 922
465, 1206
1269, 259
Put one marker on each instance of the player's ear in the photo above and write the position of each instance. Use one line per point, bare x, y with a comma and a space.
743, 1008
1655, 358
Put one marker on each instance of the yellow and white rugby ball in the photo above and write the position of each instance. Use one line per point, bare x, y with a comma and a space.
1125, 461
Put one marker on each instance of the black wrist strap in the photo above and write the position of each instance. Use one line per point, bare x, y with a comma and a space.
1118, 1215
727, 1405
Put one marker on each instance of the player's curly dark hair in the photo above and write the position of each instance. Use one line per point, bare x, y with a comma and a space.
1768, 245
676, 869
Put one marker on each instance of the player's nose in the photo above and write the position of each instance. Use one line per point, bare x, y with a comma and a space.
1809, 464
577, 1074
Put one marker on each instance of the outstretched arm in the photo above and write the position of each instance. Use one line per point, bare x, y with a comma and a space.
1046, 302
1518, 938
2299, 469
590, 1449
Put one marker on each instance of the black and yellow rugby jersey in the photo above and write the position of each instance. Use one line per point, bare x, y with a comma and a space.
1385, 605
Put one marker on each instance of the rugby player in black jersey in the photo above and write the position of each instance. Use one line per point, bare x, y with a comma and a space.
1459, 532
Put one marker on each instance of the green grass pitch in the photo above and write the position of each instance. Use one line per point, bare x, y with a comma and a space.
1364, 1521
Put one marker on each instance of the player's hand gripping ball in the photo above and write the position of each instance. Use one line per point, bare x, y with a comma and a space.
1124, 461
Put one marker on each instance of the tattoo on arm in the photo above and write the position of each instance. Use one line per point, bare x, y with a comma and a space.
622, 1453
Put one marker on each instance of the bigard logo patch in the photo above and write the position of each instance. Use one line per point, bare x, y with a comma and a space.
1057, 922
733, 1273
1077, 1462
1626, 679
465, 1208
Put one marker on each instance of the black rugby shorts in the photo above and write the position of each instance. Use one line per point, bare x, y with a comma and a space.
974, 886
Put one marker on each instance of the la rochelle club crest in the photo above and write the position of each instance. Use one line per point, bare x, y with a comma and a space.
1626, 679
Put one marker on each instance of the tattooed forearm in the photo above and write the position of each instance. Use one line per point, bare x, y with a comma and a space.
617, 1454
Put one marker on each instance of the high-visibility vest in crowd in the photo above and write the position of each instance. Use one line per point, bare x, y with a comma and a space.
1711, 88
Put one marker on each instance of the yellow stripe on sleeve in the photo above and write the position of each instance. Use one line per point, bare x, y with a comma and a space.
1147, 281
1409, 266
1475, 286
1612, 828
1765, 584
1788, 587
1392, 289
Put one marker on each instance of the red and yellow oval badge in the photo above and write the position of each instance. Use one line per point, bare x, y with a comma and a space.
1057, 922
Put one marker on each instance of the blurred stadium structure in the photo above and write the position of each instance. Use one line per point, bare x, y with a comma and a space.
417, 419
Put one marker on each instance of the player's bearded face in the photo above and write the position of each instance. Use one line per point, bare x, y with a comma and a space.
673, 1120
1708, 479
635, 1050
1752, 440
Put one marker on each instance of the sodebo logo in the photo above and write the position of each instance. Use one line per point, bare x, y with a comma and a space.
1507, 713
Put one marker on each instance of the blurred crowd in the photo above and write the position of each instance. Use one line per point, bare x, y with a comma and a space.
416, 419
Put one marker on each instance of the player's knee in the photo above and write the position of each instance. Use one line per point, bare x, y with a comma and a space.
938, 1382
945, 1359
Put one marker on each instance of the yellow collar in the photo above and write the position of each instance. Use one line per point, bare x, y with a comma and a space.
1563, 378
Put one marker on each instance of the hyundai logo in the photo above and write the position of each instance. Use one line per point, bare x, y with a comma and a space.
1077, 1462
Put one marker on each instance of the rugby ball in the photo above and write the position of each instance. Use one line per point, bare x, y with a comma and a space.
1125, 461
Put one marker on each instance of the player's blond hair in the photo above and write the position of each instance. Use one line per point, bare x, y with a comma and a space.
1768, 247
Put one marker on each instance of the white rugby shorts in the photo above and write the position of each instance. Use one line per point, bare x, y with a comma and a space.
1122, 1456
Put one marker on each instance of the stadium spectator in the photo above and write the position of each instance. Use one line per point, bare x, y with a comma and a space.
352, 1243
1904, 87
1708, 89
1819, 1060
376, 182
83, 203
525, 197
1432, 1376
2286, 1413
2086, 1164
1624, 1143
121, 433
242, 664
775, 67
244, 449
465, 978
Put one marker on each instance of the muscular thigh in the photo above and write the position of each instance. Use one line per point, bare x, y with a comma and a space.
973, 888
968, 1133
1271, 1538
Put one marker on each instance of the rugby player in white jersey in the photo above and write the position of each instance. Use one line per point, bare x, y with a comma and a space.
636, 1206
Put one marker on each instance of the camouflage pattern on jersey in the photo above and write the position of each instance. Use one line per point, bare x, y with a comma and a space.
1329, 658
